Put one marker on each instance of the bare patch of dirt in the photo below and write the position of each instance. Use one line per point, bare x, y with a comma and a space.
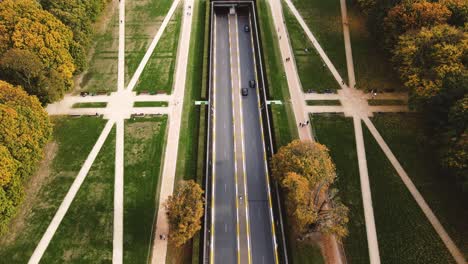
31, 189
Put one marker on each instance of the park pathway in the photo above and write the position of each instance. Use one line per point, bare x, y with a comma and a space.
297, 96
354, 103
170, 158
120, 107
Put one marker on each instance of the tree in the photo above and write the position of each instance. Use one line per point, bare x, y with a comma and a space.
306, 158
411, 16
184, 211
459, 9
24, 68
24, 130
305, 172
424, 60
25, 25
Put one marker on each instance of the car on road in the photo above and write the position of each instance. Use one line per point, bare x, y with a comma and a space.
246, 28
244, 91
252, 83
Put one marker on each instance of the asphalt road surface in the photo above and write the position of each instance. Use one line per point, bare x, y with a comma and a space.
242, 228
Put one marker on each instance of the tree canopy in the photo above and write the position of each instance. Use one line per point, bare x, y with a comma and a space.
305, 172
184, 211
24, 131
424, 59
409, 16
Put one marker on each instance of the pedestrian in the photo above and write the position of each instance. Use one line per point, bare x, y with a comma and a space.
375, 94
161, 237
300, 124
280, 37
307, 122
342, 82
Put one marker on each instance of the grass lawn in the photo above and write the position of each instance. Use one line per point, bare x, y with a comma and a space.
151, 104
403, 231
337, 133
284, 126
158, 75
372, 68
142, 21
144, 146
85, 234
386, 102
90, 105
73, 139
190, 159
313, 73
410, 142
323, 102
324, 20
101, 75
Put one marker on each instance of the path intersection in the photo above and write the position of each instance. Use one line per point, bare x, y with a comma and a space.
120, 106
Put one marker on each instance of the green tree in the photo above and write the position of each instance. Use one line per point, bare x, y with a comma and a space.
424, 60
24, 131
411, 16
184, 211
24, 68
25, 25
305, 172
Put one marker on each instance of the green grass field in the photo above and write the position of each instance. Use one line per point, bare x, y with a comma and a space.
323, 102
324, 20
142, 20
144, 147
371, 66
337, 133
312, 71
403, 231
90, 105
411, 143
86, 231
73, 139
151, 104
101, 75
158, 75
284, 125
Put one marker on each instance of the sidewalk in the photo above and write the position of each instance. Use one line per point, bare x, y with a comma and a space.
159, 249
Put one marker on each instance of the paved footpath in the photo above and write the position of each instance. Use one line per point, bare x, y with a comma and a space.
159, 250
297, 96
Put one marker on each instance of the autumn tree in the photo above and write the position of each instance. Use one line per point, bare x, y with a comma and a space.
24, 68
423, 60
184, 211
411, 16
24, 131
79, 16
25, 25
305, 172
459, 10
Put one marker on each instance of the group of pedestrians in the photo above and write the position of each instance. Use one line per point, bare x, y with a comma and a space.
306, 123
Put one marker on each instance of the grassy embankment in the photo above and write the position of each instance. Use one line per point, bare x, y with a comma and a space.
90, 105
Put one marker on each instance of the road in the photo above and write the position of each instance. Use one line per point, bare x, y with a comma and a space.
242, 223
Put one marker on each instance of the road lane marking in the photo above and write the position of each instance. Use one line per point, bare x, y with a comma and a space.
243, 145
213, 163
257, 90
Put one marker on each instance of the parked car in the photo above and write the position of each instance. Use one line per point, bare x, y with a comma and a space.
244, 91
246, 28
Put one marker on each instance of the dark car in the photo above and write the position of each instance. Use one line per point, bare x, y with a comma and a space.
252, 83
244, 91
246, 28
